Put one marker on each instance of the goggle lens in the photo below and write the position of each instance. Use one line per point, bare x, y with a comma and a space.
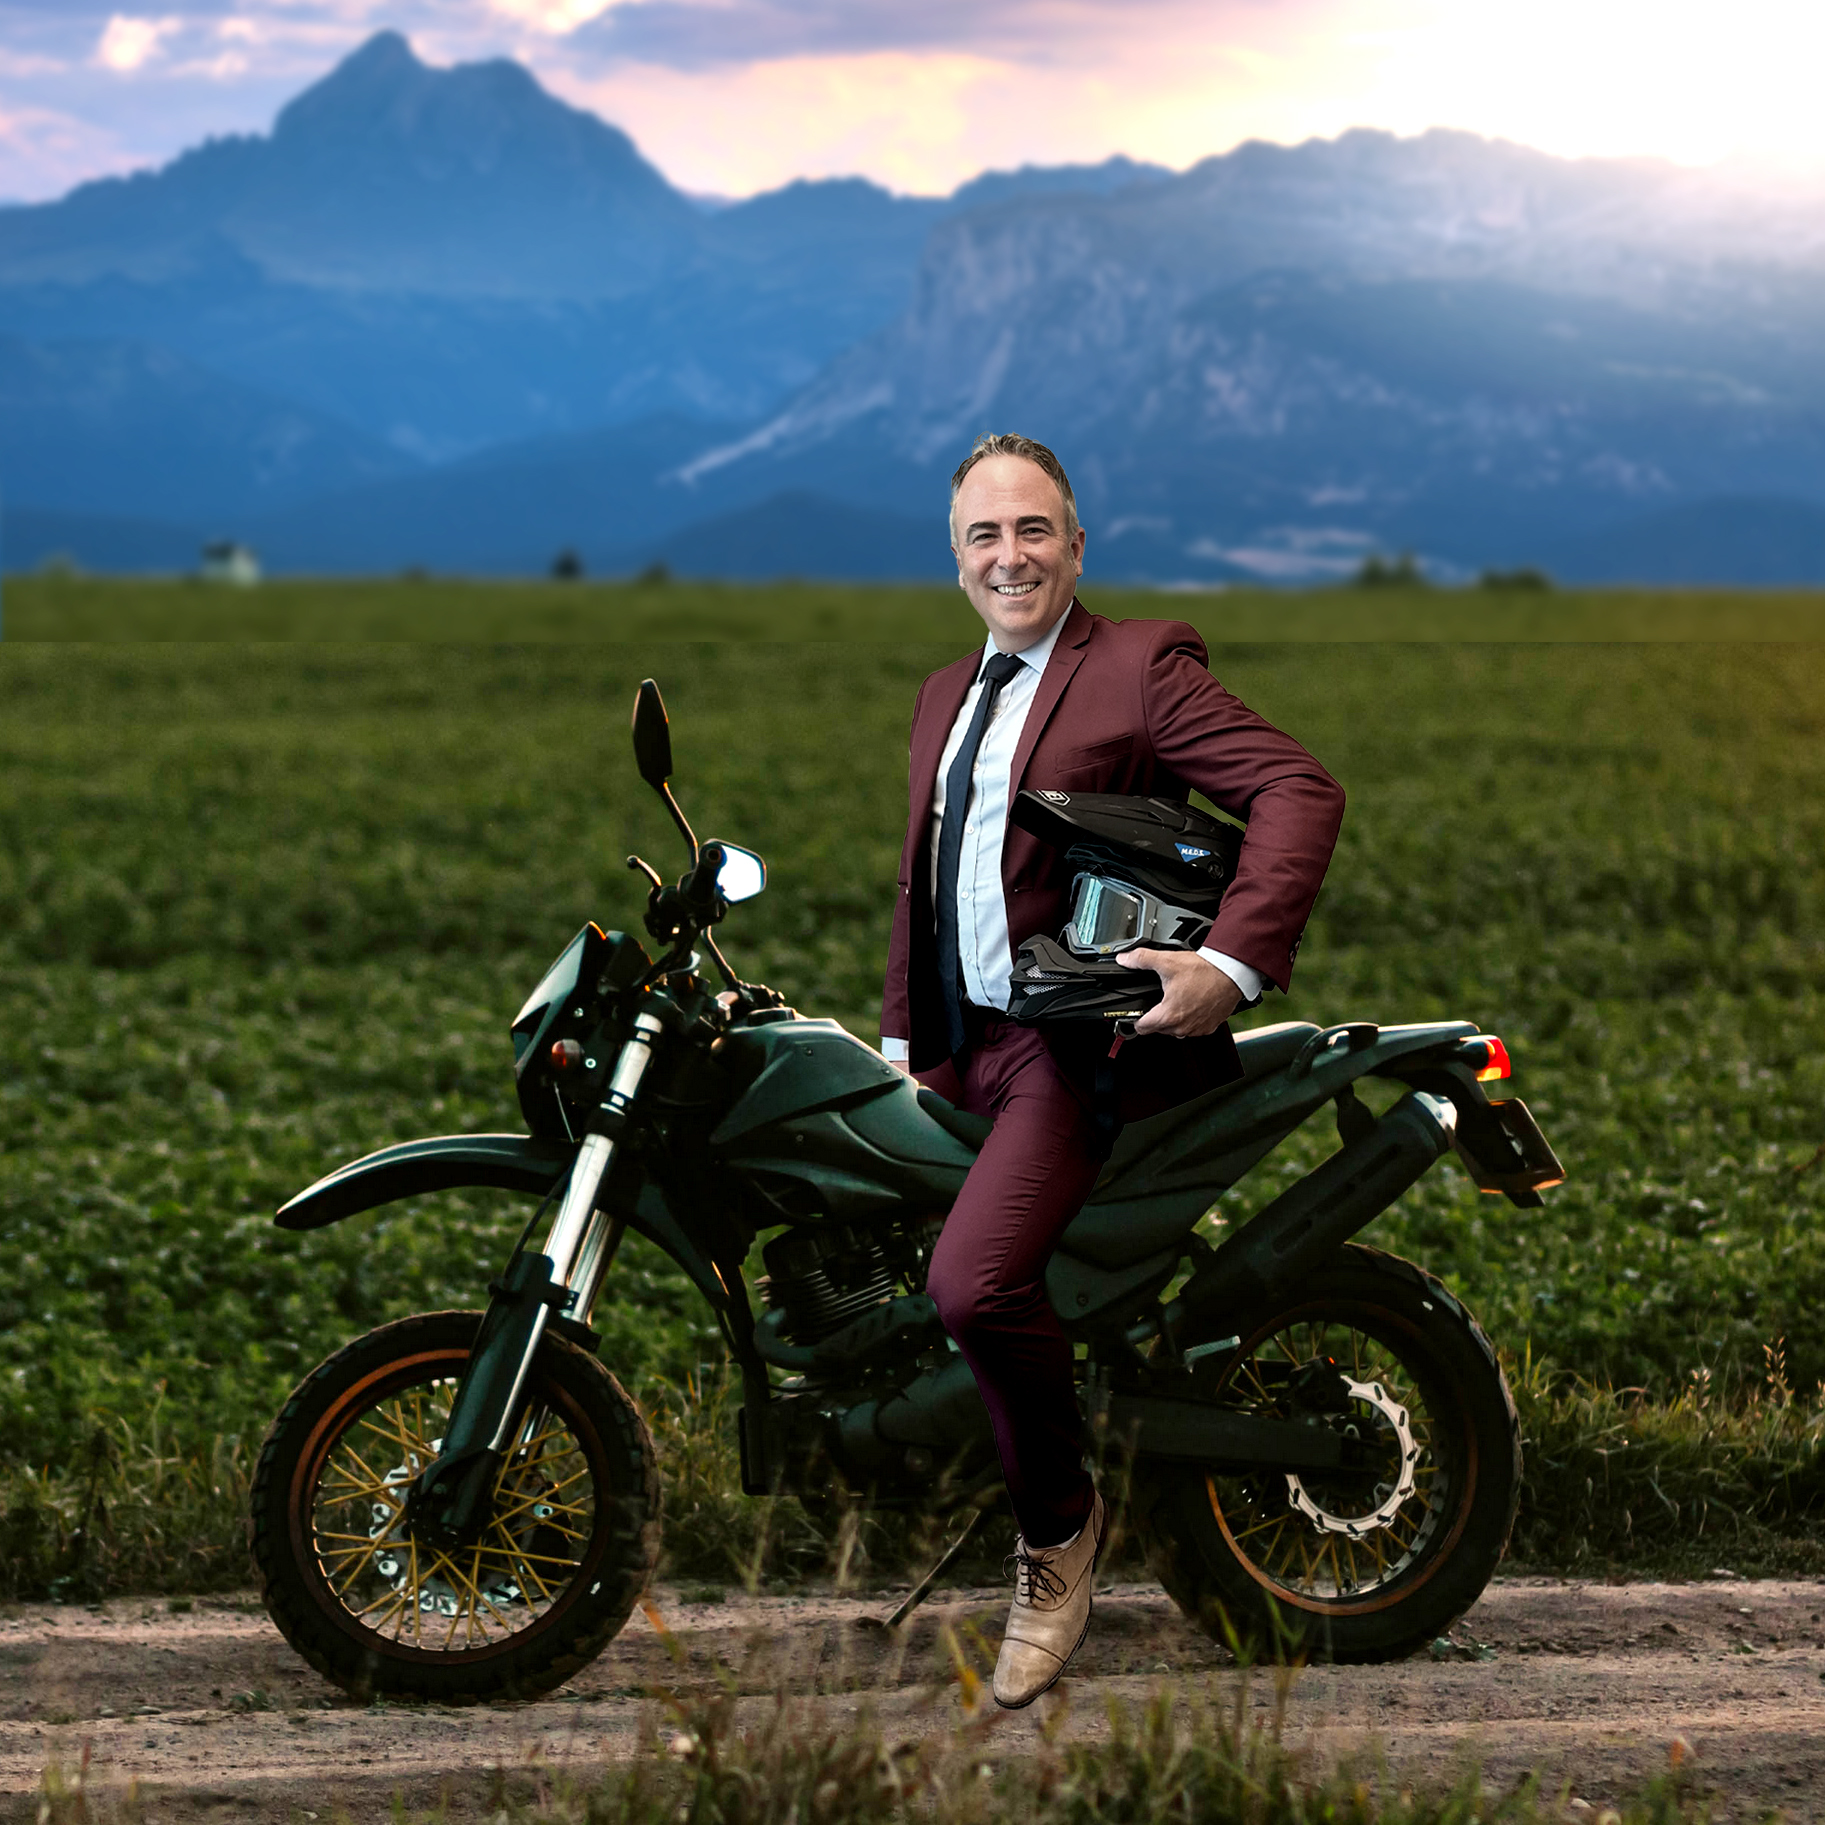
1103, 917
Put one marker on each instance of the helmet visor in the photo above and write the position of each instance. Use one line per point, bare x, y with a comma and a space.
1110, 916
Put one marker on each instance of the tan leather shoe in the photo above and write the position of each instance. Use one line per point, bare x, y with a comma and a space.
1051, 1613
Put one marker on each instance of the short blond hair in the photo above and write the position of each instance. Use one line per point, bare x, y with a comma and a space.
1011, 443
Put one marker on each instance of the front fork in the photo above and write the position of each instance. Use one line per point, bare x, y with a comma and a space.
449, 1504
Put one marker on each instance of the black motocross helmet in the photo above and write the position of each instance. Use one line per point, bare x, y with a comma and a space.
1150, 871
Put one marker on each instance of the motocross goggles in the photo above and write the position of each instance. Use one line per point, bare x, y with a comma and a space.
1110, 916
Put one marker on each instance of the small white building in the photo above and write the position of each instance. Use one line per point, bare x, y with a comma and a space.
229, 561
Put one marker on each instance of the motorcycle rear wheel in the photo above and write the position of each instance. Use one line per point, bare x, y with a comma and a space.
1373, 1565
568, 1550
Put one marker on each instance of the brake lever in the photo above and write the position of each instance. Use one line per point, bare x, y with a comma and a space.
645, 868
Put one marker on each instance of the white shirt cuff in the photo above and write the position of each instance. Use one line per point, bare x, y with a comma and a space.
896, 1051
1250, 981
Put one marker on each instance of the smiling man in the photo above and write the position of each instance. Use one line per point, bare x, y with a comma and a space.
1059, 698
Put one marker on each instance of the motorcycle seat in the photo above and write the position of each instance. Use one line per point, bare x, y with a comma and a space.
1263, 1050
971, 1130
1266, 1049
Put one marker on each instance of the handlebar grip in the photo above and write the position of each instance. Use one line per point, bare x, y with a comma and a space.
700, 884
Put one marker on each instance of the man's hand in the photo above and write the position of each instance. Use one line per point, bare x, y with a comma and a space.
1199, 997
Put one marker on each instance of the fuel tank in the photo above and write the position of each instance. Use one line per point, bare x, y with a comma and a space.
827, 1118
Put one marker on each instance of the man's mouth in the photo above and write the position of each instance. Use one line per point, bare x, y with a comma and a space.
1015, 589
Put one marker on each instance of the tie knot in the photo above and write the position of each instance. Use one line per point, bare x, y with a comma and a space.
1001, 668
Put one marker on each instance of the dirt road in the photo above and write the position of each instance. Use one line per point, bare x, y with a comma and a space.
216, 1718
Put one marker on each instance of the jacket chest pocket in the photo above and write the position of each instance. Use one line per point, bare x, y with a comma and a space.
1095, 757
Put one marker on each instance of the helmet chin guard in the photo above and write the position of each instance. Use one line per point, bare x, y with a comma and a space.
1151, 873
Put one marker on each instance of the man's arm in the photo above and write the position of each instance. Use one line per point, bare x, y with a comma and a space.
1244, 765
1293, 809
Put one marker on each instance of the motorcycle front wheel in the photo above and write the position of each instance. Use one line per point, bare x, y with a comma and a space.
570, 1543
1361, 1566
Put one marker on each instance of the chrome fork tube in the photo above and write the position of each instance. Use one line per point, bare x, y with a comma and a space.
597, 1153
570, 1243
594, 1259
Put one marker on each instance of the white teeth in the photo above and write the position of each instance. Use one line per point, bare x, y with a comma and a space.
1015, 589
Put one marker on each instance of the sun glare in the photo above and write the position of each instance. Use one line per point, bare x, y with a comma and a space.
1686, 79
554, 16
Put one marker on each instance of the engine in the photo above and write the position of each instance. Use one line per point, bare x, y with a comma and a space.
821, 1279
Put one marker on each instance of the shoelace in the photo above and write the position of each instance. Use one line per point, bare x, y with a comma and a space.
1033, 1579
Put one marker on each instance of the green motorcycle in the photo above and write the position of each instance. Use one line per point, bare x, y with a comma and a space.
1320, 1444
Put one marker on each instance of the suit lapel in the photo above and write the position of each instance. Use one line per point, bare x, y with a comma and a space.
1067, 656
943, 701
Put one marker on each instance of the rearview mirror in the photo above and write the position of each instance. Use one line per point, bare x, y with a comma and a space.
652, 736
742, 875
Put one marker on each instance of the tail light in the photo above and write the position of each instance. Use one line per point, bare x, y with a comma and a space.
1487, 1057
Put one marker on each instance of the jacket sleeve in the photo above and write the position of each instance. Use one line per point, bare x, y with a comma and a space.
896, 1006
1245, 766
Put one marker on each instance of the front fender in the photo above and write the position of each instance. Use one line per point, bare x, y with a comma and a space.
510, 1162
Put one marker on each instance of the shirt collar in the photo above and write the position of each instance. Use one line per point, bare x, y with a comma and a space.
1035, 655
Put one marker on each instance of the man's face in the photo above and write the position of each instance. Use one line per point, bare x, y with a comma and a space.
1013, 559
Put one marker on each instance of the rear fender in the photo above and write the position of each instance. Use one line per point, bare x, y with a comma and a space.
505, 1162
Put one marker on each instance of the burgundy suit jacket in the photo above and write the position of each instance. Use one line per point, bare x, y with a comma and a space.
1131, 707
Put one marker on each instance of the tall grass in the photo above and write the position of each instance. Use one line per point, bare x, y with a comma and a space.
710, 1761
1615, 1482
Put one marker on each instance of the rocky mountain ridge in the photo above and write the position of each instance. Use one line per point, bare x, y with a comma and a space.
434, 286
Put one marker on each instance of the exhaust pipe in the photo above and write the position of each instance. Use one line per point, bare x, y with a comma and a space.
1285, 1241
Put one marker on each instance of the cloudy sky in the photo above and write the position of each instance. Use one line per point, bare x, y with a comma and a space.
733, 96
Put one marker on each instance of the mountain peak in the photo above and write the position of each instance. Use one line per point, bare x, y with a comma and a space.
477, 117
375, 77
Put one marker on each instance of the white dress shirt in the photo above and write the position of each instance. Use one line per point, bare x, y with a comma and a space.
987, 953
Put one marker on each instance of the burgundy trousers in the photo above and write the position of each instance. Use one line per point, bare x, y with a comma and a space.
987, 1273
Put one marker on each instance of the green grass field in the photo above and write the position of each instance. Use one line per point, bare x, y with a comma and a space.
60, 607
265, 907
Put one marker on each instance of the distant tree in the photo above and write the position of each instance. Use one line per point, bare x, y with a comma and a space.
1517, 582
654, 576
567, 567
1377, 572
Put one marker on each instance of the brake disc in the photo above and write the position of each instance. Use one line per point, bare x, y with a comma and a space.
1392, 1415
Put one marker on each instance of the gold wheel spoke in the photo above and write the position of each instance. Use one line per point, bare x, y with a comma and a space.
1278, 1520
523, 1503
349, 1490
513, 1552
345, 1447
395, 1601
517, 1558
355, 1570
532, 1444
393, 1435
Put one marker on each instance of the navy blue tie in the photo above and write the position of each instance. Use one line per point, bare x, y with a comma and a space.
950, 843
